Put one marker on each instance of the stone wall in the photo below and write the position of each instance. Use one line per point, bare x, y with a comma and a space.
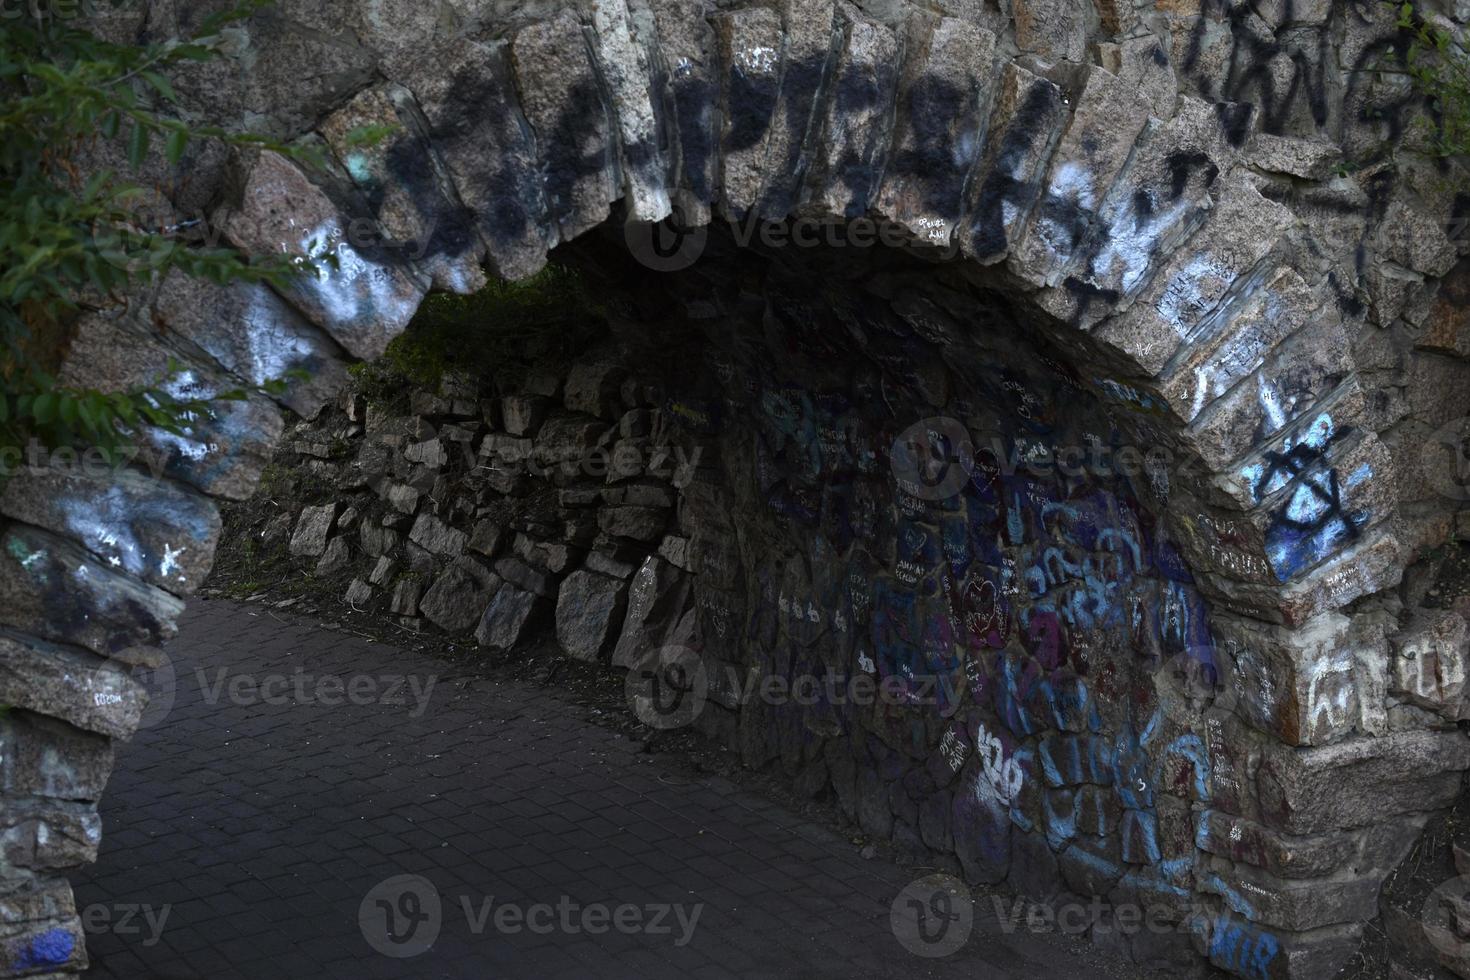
1214, 229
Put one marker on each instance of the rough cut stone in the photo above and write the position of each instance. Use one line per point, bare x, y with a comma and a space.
686, 88
657, 599
1055, 29
222, 454
458, 596
638, 523
53, 589
432, 534
152, 529
474, 121
589, 610
594, 389
1361, 781
574, 136
523, 414
749, 44
359, 594
1094, 146
312, 528
486, 537
625, 74
1027, 114
852, 145
1152, 210
807, 52
523, 576
509, 617
400, 176
256, 335
366, 300
941, 121
1242, 228
383, 571
85, 690
378, 540
336, 556
49, 835
405, 599
44, 757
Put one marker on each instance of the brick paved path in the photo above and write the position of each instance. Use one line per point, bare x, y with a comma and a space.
261, 827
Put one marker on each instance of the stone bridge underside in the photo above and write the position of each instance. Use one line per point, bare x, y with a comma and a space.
1213, 237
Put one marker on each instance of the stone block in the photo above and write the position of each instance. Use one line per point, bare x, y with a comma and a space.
589, 612
626, 78
509, 619
1095, 144
749, 42
658, 601
1026, 118
399, 174
151, 529
43, 757
432, 534
366, 300
466, 92
309, 539
49, 835
51, 588
457, 598
563, 102
523, 414
636, 523
940, 125
256, 335
851, 145
1361, 781
88, 691
594, 389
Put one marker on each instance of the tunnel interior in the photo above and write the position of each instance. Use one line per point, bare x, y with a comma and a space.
853, 512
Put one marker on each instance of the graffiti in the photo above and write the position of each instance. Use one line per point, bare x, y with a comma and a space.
1002, 775
1242, 948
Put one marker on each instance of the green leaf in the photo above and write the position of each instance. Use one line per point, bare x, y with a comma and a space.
161, 84
43, 407
138, 145
178, 140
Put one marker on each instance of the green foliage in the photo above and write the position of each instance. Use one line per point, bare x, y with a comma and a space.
1440, 68
499, 331
73, 240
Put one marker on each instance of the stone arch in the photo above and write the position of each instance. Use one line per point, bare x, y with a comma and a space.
1194, 259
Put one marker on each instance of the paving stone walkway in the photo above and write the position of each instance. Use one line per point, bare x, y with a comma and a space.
249, 833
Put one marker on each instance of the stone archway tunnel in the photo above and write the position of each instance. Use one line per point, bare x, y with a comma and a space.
1155, 381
